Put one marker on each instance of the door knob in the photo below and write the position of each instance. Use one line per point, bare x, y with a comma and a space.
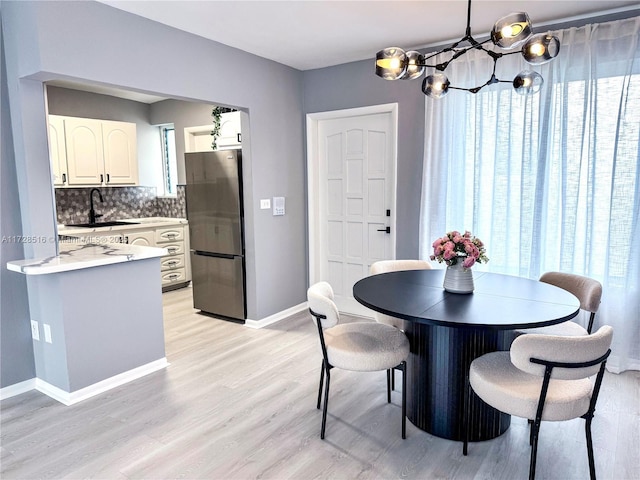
386, 229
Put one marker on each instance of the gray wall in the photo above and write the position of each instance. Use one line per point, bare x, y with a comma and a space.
16, 347
89, 42
182, 115
355, 85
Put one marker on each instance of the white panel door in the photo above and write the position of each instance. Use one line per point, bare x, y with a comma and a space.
356, 195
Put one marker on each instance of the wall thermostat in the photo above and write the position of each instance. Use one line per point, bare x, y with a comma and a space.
278, 206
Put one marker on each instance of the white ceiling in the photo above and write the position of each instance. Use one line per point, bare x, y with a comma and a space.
306, 34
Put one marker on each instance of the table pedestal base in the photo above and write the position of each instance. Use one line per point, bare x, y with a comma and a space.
436, 373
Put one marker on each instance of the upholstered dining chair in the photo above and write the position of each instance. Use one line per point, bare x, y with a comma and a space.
357, 346
588, 291
384, 266
542, 377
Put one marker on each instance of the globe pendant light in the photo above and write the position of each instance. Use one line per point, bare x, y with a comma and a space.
512, 32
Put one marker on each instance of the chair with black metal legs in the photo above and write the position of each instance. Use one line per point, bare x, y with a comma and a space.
542, 377
357, 346
588, 291
385, 266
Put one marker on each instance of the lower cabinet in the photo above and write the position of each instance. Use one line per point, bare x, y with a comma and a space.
175, 269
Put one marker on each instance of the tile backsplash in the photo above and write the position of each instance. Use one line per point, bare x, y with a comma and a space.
72, 204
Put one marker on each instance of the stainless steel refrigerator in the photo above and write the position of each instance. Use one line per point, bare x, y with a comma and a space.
215, 213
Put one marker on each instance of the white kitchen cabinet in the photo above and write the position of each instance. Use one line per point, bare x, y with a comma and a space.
58, 150
85, 155
172, 235
174, 269
120, 153
230, 132
145, 238
98, 152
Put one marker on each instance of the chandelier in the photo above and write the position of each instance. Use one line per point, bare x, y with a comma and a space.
512, 33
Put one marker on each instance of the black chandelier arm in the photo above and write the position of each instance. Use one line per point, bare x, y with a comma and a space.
491, 81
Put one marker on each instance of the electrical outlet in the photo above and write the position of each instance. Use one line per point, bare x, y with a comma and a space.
47, 332
265, 203
35, 333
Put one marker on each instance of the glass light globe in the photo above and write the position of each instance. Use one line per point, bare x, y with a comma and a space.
541, 48
528, 82
391, 63
415, 65
512, 30
436, 85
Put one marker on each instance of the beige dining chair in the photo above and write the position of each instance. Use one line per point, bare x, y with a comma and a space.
384, 266
588, 291
356, 346
542, 377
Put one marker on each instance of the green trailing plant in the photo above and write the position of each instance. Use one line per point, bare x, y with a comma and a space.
216, 114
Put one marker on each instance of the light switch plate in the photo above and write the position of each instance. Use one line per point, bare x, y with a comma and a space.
35, 333
265, 203
278, 206
47, 332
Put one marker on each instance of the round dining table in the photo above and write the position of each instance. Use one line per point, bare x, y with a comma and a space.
447, 331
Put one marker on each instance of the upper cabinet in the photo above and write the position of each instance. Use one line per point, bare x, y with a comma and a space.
230, 134
58, 151
198, 139
98, 152
120, 154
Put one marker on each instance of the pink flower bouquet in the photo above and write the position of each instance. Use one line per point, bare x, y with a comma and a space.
455, 246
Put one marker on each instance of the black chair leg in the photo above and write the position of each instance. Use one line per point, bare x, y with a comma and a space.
404, 400
592, 463
389, 385
530, 432
326, 402
467, 415
534, 450
393, 379
320, 387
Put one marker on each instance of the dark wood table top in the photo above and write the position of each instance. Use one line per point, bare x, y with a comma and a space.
500, 302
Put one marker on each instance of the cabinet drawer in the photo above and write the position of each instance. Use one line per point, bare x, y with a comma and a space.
173, 248
171, 234
172, 262
174, 276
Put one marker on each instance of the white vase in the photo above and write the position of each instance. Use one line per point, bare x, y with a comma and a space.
458, 279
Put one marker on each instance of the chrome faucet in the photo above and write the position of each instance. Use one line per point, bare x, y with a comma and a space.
92, 212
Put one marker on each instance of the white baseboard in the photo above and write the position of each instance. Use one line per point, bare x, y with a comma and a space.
17, 389
70, 398
276, 317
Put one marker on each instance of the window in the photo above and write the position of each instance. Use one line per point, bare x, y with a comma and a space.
169, 164
549, 182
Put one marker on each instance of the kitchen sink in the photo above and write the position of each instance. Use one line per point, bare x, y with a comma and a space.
103, 224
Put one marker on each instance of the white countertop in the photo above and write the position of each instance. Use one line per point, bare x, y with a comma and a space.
76, 256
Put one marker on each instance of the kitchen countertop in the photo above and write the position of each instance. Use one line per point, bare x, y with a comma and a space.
76, 256
137, 224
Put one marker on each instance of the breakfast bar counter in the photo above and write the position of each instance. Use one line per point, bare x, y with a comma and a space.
96, 316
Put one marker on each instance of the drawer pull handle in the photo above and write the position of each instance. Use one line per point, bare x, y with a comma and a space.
172, 250
171, 264
173, 276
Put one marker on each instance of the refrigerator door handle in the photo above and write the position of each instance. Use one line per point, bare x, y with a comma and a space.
216, 255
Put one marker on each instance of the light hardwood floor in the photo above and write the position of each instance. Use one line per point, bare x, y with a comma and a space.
238, 403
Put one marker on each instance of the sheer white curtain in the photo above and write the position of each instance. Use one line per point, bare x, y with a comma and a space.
549, 182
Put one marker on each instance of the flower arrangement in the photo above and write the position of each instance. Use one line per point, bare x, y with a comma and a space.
455, 246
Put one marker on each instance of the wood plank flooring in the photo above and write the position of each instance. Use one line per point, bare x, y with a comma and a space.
237, 403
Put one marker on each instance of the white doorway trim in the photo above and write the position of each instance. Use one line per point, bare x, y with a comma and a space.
313, 175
